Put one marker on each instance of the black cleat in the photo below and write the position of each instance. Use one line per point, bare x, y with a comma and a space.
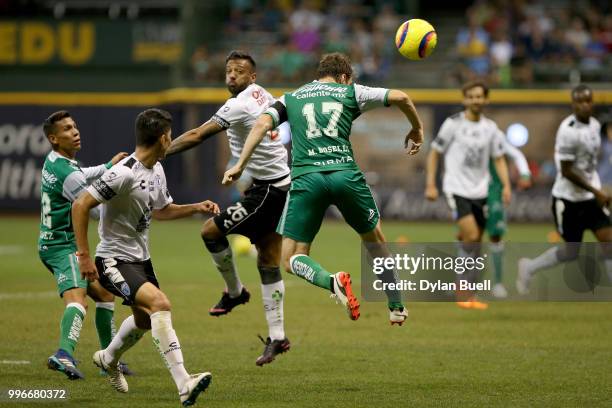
227, 303
272, 349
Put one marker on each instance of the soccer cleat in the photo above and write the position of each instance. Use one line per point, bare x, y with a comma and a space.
272, 349
344, 294
499, 291
123, 367
63, 362
196, 384
477, 305
398, 316
227, 303
523, 277
115, 376
466, 304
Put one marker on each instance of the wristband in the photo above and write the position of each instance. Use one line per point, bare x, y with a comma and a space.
109, 164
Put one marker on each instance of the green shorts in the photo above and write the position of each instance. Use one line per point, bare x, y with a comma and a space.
496, 215
312, 193
65, 268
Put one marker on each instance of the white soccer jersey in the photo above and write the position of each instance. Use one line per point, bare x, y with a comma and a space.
467, 147
129, 192
578, 142
238, 115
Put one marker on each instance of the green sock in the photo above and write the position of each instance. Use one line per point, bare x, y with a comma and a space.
105, 324
307, 268
70, 327
497, 253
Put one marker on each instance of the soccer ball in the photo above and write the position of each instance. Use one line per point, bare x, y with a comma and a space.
241, 246
416, 39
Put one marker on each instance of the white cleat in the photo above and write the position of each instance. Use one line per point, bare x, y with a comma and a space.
196, 384
523, 277
343, 293
398, 316
499, 291
115, 376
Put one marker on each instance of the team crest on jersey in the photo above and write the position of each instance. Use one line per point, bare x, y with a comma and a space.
372, 214
125, 289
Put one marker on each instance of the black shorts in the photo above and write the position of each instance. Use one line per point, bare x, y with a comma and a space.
257, 214
123, 278
573, 218
462, 206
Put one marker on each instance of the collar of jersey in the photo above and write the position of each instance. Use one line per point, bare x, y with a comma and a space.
53, 155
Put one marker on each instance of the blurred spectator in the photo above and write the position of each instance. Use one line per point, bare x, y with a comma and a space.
577, 36
473, 48
501, 55
200, 63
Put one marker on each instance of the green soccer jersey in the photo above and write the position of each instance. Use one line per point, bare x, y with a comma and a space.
321, 115
62, 181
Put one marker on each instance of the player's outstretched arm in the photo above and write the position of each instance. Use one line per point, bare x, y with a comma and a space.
194, 137
567, 171
175, 211
501, 167
80, 222
263, 124
414, 138
431, 169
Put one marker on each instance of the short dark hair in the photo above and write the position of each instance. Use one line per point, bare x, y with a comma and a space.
49, 123
239, 54
475, 84
334, 65
580, 89
150, 125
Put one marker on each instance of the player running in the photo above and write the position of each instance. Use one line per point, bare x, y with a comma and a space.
133, 192
61, 182
324, 171
578, 202
256, 215
468, 141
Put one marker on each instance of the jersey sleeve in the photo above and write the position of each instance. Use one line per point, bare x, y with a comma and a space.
94, 172
445, 136
370, 98
519, 159
498, 143
566, 145
230, 113
278, 112
73, 185
115, 181
163, 197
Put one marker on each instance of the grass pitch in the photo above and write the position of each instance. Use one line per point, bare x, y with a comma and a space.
514, 354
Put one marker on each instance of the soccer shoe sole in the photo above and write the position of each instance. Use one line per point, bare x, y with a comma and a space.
54, 364
352, 304
201, 386
122, 386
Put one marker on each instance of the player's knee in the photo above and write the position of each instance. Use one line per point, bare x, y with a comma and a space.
160, 303
210, 231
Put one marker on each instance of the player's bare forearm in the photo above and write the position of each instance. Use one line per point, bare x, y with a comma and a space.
404, 103
431, 168
176, 211
567, 170
193, 137
258, 132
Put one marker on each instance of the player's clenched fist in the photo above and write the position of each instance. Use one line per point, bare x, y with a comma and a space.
431, 193
87, 267
232, 175
208, 207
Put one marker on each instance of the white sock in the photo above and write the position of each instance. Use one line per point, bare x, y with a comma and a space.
224, 261
273, 296
545, 260
126, 337
168, 346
